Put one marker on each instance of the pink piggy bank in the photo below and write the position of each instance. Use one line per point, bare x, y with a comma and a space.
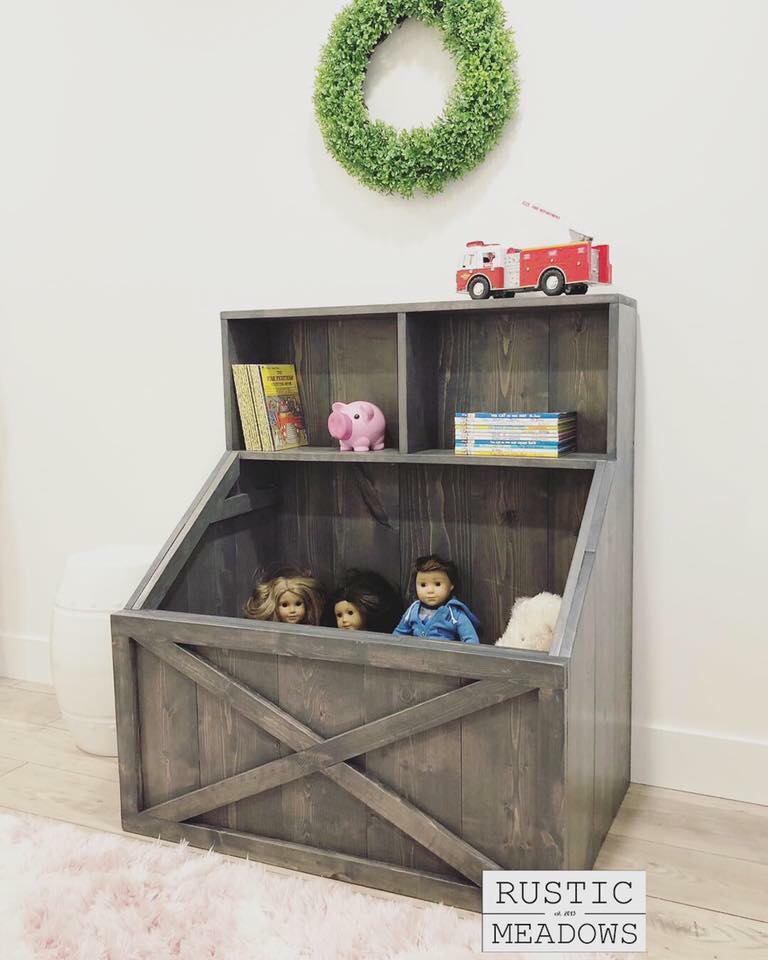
357, 426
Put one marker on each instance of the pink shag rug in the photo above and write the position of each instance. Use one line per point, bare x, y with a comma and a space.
67, 893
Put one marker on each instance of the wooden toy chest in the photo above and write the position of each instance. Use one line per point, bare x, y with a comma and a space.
404, 764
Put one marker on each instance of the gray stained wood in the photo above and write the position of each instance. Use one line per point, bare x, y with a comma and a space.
578, 372
358, 870
499, 782
508, 523
327, 698
354, 358
231, 744
430, 307
362, 365
568, 493
128, 718
509, 356
366, 520
304, 524
424, 768
292, 732
413, 720
435, 510
209, 578
170, 763
597, 629
446, 458
531, 782
506, 360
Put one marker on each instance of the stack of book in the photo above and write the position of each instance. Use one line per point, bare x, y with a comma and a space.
271, 414
515, 434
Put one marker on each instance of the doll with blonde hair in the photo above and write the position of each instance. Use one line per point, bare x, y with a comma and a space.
287, 595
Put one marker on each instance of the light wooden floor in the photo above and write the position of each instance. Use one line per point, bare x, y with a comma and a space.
706, 859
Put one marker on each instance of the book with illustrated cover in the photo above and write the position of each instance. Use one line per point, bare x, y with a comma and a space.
273, 403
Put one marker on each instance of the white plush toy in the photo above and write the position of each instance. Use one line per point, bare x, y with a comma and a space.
532, 624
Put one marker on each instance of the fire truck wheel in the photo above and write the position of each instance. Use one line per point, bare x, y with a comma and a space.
479, 288
574, 289
552, 283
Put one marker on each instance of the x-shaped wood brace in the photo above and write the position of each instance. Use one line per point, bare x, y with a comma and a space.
316, 754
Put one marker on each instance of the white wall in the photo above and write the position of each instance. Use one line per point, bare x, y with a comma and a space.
155, 152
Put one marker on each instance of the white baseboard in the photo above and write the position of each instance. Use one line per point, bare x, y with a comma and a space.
729, 767
24, 657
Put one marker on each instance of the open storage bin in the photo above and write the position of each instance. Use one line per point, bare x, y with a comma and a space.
405, 764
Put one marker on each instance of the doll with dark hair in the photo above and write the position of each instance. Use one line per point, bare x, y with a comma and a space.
436, 613
287, 595
364, 600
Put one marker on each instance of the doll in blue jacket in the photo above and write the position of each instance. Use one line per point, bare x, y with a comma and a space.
437, 614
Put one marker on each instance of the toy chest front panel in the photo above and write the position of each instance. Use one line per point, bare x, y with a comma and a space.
479, 777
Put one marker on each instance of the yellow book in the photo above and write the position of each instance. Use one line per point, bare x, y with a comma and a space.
246, 406
278, 406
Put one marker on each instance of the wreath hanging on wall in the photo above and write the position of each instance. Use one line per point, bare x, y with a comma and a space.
480, 103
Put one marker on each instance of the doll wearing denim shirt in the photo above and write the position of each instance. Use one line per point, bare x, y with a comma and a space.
437, 614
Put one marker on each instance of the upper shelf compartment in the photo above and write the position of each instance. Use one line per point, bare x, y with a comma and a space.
337, 357
421, 363
553, 355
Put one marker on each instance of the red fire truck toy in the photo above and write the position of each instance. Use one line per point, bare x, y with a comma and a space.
493, 270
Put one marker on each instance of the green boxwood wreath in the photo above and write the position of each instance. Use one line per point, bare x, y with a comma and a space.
481, 102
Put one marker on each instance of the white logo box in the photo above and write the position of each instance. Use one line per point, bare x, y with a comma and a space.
564, 911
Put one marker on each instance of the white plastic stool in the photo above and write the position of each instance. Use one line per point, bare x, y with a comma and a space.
95, 584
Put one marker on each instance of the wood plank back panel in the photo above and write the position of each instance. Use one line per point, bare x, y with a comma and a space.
419, 387
425, 769
453, 337
304, 343
434, 518
506, 360
366, 520
509, 543
362, 365
509, 362
578, 372
300, 341
304, 529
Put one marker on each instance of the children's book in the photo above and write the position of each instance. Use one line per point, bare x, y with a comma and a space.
273, 399
247, 407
